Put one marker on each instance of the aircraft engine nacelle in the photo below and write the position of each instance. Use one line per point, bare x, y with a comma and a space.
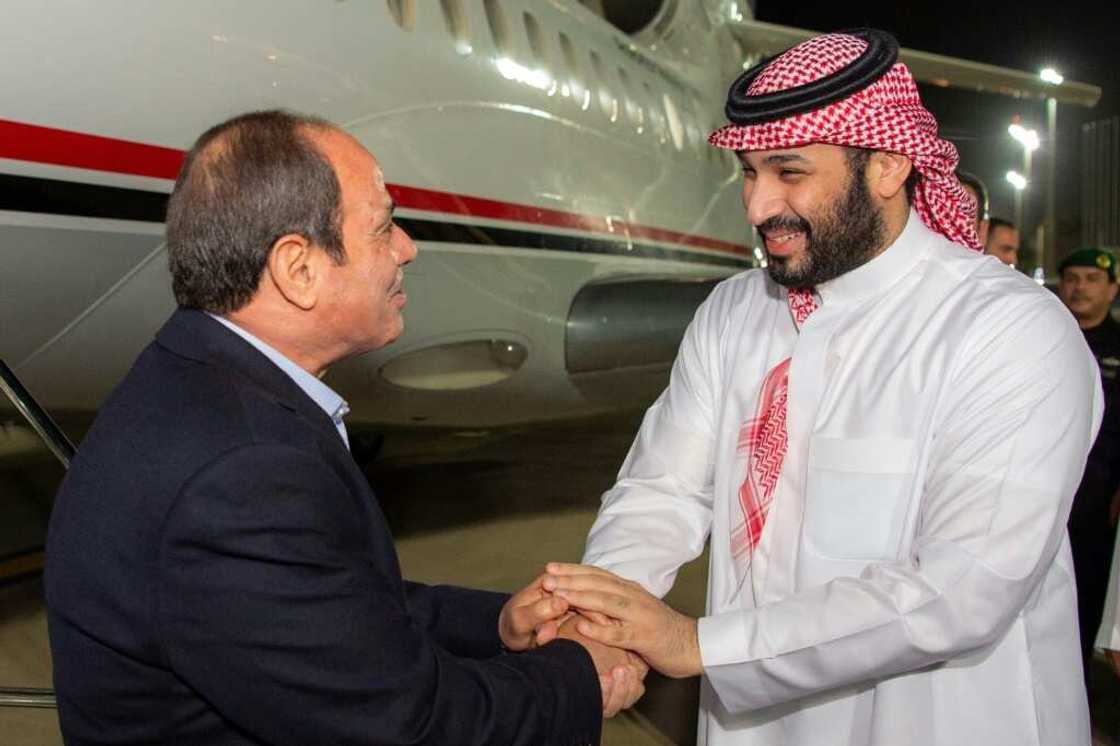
630, 323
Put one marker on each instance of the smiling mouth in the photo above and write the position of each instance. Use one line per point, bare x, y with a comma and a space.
781, 237
782, 243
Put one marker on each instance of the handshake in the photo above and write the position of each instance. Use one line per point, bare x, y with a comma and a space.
625, 629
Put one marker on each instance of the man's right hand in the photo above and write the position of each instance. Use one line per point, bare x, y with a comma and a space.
620, 672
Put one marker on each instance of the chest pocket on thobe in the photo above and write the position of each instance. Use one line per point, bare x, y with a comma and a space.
857, 496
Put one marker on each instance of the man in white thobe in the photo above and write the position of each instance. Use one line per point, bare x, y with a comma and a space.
881, 433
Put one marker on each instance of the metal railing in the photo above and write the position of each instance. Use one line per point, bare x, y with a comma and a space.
36, 416
28, 697
63, 449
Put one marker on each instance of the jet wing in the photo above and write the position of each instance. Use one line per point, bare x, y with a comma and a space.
764, 39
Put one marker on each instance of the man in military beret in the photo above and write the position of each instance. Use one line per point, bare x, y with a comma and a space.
1088, 287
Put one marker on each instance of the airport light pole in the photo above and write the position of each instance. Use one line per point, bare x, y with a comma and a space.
1018, 182
1053, 77
1028, 138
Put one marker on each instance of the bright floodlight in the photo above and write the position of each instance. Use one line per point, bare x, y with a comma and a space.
1050, 75
1028, 138
1017, 180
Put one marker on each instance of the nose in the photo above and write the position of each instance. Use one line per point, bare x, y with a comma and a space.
404, 249
763, 199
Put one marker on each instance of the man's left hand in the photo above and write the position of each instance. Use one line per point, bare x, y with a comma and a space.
666, 638
531, 617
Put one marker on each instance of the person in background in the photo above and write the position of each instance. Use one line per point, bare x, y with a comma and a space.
975, 187
1003, 241
1087, 286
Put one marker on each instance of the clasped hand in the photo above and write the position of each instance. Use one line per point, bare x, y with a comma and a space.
638, 620
535, 616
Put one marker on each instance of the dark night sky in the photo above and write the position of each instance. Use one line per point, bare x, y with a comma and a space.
1074, 37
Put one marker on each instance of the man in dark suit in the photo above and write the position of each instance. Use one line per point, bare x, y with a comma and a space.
218, 569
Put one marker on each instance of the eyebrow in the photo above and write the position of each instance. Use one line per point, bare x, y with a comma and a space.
785, 158
389, 220
773, 160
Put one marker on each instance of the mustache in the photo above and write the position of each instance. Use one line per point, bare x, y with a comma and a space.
784, 223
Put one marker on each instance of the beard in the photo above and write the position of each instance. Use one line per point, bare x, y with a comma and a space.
848, 233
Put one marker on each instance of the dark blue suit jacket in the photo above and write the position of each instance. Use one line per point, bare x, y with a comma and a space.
219, 572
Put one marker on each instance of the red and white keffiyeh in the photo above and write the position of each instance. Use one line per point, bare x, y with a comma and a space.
886, 115
762, 444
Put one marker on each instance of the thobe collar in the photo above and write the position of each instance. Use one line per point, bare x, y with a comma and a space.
884, 270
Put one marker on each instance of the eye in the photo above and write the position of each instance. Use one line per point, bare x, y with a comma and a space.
788, 173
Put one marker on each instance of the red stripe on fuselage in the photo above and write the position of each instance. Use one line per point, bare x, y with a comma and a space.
460, 204
30, 142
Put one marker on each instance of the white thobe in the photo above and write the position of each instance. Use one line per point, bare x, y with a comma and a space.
913, 583
1109, 635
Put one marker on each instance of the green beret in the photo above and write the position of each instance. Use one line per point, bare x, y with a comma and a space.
1091, 258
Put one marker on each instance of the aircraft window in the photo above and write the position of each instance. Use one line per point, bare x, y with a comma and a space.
688, 119
404, 13
657, 121
607, 100
499, 29
716, 154
739, 52
578, 91
571, 62
676, 131
536, 38
457, 25
634, 111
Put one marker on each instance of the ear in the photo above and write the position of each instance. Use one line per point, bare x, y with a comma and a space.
293, 267
1113, 288
887, 173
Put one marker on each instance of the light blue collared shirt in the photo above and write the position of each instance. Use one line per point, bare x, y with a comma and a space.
322, 394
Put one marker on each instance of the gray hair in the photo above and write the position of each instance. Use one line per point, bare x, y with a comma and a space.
245, 183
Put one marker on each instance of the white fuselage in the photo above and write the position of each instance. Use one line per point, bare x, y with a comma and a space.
532, 153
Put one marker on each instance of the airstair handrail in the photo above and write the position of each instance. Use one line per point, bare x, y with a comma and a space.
27, 697
63, 449
38, 418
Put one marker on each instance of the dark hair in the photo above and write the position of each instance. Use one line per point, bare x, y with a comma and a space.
994, 223
245, 183
973, 181
858, 159
911, 184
